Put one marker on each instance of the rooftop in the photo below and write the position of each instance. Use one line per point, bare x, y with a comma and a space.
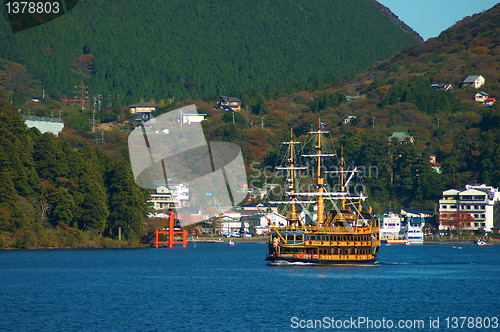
471, 79
142, 104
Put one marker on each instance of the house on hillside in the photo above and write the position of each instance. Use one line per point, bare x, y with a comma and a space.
142, 108
229, 103
444, 87
402, 137
140, 118
480, 97
475, 81
434, 164
489, 101
347, 119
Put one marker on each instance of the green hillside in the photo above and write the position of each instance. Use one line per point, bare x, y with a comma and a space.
200, 49
395, 95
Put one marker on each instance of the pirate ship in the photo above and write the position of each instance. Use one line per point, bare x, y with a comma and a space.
341, 235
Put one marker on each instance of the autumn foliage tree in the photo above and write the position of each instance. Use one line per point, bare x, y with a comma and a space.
455, 220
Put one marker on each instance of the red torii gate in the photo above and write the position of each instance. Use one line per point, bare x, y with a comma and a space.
171, 233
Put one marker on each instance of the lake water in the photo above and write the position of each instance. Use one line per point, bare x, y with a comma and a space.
213, 287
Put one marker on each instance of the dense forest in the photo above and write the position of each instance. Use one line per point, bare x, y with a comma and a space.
130, 50
46, 184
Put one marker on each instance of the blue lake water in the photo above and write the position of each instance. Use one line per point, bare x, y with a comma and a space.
213, 287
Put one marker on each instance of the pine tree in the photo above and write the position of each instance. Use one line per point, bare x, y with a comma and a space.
126, 201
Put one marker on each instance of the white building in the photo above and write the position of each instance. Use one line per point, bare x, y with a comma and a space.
45, 125
475, 81
258, 223
477, 200
174, 196
189, 118
142, 108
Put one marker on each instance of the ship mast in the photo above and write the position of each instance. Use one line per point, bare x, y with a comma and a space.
342, 184
292, 217
320, 204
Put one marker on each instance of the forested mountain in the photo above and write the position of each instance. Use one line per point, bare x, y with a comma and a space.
203, 48
51, 185
395, 95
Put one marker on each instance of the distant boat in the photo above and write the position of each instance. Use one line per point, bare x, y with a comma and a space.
414, 234
396, 241
231, 243
407, 243
481, 242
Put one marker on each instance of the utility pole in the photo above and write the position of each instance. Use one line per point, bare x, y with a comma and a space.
373, 122
93, 115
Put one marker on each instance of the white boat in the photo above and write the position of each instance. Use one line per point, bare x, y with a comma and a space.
481, 242
414, 234
231, 243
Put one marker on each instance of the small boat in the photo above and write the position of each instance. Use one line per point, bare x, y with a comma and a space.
230, 243
395, 241
407, 243
481, 242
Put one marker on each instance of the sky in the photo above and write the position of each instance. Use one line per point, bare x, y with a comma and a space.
430, 17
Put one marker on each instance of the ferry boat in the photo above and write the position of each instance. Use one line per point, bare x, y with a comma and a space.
414, 234
342, 235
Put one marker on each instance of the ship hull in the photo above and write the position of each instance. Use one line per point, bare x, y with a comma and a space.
320, 261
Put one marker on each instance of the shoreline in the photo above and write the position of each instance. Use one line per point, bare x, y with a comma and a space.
224, 240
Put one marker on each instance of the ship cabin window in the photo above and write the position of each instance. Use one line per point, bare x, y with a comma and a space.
335, 251
312, 238
322, 238
298, 238
323, 251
